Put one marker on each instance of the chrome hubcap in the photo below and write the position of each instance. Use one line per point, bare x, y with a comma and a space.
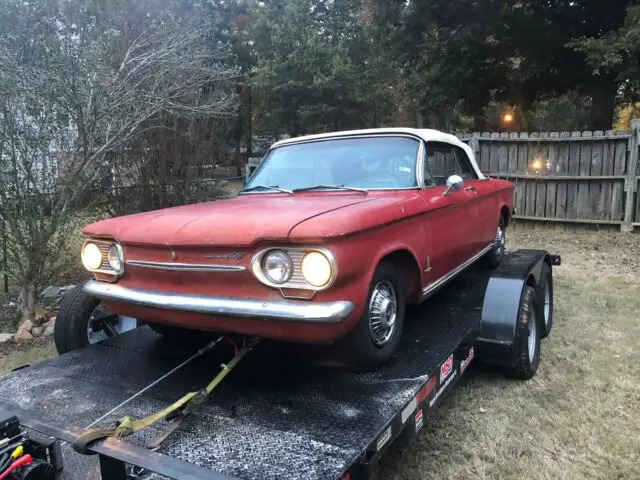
103, 324
533, 332
382, 313
547, 303
500, 241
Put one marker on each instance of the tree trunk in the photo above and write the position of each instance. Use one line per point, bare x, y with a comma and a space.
603, 94
27, 301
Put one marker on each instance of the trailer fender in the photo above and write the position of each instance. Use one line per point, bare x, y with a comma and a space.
502, 303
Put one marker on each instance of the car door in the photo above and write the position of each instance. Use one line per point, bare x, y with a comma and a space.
484, 221
449, 218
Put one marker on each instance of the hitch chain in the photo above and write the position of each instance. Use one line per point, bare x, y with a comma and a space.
174, 413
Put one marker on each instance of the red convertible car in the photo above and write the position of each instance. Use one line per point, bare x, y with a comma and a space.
329, 241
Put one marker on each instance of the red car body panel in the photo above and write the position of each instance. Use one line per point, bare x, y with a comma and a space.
360, 230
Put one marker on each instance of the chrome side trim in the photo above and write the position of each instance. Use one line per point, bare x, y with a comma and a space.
432, 287
282, 310
185, 267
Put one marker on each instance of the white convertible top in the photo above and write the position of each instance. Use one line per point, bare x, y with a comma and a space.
425, 134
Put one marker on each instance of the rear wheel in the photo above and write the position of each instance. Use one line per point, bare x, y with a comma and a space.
494, 256
377, 334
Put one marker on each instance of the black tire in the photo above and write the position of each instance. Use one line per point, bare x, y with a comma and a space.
358, 346
494, 256
526, 364
545, 294
70, 331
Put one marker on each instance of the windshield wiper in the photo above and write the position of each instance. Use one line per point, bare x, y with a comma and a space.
330, 187
266, 187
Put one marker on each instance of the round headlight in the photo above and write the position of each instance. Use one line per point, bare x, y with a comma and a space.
277, 266
316, 269
115, 258
91, 257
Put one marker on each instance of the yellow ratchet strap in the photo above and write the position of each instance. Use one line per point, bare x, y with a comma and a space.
127, 426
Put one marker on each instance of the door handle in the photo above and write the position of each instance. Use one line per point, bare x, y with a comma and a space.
470, 188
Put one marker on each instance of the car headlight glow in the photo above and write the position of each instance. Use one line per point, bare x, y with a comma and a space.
116, 258
277, 266
316, 269
91, 256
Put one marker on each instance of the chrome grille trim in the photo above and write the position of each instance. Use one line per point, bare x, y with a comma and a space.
185, 267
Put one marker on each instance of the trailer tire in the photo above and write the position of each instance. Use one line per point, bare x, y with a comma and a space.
545, 300
527, 352
359, 346
70, 331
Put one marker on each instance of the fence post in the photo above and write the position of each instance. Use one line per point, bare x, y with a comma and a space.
631, 182
474, 144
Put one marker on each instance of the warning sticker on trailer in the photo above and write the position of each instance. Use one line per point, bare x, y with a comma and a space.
384, 438
419, 420
446, 368
465, 363
426, 390
444, 386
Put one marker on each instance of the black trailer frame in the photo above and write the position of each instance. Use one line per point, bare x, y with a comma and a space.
274, 417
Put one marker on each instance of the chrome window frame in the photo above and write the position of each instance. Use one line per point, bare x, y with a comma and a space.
418, 176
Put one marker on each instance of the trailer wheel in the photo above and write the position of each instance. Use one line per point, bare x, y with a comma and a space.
83, 320
494, 256
545, 300
527, 341
375, 337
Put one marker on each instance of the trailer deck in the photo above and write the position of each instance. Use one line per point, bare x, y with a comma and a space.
281, 413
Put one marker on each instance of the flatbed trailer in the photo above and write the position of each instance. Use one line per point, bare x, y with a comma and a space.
282, 413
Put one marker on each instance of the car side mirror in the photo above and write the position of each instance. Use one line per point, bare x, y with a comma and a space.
454, 184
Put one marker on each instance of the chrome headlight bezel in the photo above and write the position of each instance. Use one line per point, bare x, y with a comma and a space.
296, 280
278, 259
105, 247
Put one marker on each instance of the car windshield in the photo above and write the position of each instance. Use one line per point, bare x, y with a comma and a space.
364, 162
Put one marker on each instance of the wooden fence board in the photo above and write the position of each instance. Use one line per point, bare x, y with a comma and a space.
550, 201
572, 187
562, 168
596, 169
604, 205
583, 208
617, 189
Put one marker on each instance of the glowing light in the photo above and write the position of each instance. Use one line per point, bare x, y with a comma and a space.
536, 165
507, 117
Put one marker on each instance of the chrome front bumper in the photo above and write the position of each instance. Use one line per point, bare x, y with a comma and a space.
285, 310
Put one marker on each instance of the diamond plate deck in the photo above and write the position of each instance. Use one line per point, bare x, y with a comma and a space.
282, 413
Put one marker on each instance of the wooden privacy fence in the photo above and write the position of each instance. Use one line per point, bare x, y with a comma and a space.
577, 177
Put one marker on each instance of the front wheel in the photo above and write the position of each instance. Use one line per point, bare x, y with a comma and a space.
83, 320
377, 334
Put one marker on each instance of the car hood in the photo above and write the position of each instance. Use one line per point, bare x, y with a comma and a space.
241, 221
